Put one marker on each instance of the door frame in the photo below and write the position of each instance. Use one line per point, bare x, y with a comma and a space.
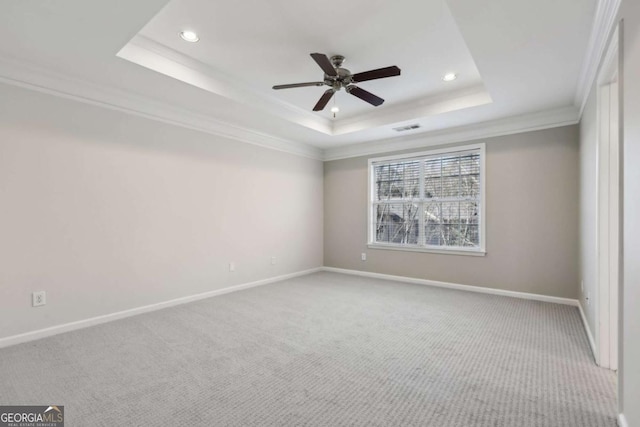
608, 196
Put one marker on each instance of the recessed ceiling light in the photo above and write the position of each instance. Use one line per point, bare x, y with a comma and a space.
189, 36
449, 77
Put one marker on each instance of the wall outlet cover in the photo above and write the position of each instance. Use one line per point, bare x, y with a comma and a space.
39, 298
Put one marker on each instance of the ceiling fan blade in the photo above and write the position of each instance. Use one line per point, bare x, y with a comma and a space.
324, 99
324, 63
380, 73
364, 95
290, 86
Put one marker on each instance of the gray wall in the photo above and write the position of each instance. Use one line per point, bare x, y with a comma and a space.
107, 211
532, 219
630, 369
588, 208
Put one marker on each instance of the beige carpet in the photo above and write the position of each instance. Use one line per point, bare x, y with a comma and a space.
323, 350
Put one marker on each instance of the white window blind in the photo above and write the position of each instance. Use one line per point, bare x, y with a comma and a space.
430, 200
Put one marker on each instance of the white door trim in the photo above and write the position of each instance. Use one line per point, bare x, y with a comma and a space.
607, 210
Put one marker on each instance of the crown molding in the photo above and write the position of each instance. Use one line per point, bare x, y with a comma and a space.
425, 107
603, 23
162, 59
154, 56
506, 126
28, 76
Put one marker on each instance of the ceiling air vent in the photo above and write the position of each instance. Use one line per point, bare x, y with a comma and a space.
406, 128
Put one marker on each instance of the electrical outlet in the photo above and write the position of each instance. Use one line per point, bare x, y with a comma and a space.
273, 260
232, 266
39, 298
363, 256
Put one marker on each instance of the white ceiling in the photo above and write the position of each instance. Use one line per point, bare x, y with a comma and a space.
259, 44
514, 58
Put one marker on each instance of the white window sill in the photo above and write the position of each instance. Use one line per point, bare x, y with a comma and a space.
457, 251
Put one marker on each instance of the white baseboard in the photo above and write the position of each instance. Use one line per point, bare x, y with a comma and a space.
67, 327
480, 289
592, 342
80, 324
622, 421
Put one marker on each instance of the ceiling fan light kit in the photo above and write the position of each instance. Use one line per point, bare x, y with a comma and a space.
337, 77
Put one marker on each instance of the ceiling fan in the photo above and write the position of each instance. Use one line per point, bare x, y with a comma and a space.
337, 78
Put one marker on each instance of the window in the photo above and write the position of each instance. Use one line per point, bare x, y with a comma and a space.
430, 201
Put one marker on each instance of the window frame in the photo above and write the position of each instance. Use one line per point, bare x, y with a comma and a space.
438, 152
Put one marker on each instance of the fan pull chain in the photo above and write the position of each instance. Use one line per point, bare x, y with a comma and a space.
335, 108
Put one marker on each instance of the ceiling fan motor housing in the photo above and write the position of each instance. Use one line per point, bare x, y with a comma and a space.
343, 77
341, 80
